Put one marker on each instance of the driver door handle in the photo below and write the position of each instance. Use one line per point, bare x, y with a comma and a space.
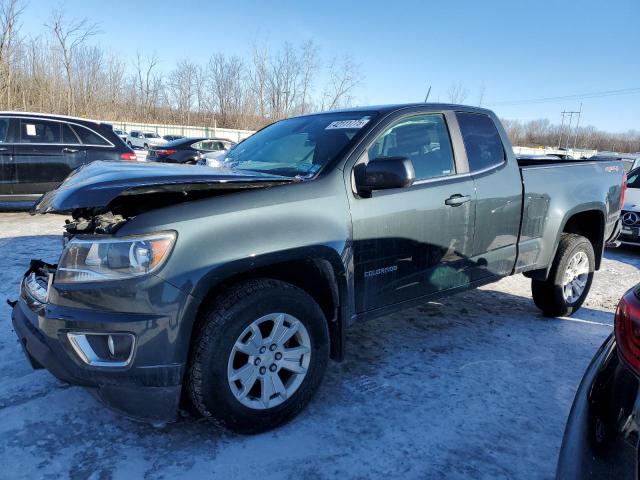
70, 150
457, 200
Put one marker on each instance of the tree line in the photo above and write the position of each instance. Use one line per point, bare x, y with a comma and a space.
65, 70
542, 132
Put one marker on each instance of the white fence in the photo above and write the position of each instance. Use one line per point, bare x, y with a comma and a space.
185, 130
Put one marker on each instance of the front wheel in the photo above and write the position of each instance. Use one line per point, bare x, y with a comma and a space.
259, 356
569, 280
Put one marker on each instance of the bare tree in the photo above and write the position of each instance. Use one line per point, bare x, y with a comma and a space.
344, 77
457, 93
10, 11
226, 84
147, 82
181, 86
308, 66
71, 36
481, 92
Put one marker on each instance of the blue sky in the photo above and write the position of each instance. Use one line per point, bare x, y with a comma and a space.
518, 50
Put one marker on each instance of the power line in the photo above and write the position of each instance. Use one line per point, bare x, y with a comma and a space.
578, 96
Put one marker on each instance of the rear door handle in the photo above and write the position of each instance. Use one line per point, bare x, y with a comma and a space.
457, 200
3, 149
70, 150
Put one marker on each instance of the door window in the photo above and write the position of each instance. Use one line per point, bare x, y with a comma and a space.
423, 139
39, 131
481, 140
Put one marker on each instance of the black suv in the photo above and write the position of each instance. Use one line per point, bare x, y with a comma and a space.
37, 151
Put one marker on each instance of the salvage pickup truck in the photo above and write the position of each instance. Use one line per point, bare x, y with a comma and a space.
228, 289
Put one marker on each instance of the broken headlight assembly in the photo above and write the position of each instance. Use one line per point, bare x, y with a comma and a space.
105, 259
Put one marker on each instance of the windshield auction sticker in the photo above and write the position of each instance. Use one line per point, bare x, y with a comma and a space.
338, 124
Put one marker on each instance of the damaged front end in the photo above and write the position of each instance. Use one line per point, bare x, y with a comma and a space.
102, 317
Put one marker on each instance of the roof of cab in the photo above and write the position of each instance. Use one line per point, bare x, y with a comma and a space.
385, 109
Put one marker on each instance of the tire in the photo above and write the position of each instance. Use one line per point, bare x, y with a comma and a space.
549, 295
146, 146
130, 145
223, 325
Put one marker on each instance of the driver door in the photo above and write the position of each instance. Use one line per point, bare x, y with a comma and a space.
414, 241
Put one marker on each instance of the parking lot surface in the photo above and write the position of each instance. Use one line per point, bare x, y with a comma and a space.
476, 385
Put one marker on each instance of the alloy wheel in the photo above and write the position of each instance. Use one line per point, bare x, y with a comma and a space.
269, 361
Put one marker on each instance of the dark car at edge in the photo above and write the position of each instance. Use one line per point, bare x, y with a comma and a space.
601, 437
37, 151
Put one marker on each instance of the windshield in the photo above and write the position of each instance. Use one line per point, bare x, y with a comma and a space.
151, 135
299, 146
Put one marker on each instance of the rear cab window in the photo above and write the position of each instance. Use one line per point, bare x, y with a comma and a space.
481, 141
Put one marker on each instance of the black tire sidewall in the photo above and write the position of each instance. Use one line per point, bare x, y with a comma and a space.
575, 244
216, 393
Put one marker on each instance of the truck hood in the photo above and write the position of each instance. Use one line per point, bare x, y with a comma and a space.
96, 185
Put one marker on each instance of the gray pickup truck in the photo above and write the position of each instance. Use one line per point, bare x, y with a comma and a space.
228, 289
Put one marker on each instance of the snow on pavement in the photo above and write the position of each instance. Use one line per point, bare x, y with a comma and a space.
477, 385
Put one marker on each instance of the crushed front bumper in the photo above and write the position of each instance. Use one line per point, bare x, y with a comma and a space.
147, 389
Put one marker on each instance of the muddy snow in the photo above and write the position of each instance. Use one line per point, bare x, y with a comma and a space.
477, 385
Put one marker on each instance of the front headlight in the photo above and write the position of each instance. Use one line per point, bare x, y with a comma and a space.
100, 259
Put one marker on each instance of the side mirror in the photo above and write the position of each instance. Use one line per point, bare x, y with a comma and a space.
382, 173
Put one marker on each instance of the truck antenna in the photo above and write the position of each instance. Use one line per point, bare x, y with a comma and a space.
426, 99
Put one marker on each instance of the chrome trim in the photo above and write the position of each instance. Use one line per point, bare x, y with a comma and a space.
82, 348
440, 179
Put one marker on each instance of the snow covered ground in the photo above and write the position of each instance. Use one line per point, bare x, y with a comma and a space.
474, 386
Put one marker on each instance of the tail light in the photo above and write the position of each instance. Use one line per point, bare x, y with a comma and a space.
128, 156
165, 152
627, 330
623, 191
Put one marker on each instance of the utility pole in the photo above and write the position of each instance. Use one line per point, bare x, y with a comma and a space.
575, 139
570, 115
561, 128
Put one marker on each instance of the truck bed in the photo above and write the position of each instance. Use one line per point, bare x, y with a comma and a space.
552, 191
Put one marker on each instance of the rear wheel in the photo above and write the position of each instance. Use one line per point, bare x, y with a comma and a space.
259, 356
569, 279
146, 146
130, 145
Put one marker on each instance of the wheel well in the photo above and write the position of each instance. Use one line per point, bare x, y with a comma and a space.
590, 225
315, 276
